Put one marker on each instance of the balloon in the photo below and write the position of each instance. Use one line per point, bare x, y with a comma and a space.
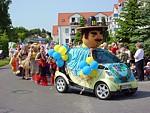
60, 62
56, 48
82, 64
82, 75
86, 70
93, 73
62, 50
94, 65
56, 55
66, 46
50, 52
64, 57
89, 60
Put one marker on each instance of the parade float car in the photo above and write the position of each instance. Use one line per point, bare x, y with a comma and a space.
112, 76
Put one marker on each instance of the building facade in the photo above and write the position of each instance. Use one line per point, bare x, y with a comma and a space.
68, 22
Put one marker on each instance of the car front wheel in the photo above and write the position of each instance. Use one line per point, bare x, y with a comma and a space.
61, 85
102, 91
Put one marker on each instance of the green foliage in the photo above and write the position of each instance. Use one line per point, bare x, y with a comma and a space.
5, 21
134, 24
105, 33
4, 62
78, 33
18, 33
4, 42
128, 21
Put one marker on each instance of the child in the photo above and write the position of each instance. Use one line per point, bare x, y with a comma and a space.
133, 69
147, 70
53, 67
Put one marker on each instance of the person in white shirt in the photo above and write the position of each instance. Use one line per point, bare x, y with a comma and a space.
139, 61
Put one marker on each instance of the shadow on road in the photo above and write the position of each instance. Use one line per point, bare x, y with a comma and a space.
119, 96
137, 95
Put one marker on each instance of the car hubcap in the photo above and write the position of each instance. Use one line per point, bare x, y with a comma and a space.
102, 91
60, 84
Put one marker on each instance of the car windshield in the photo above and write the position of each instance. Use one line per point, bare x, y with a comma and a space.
104, 56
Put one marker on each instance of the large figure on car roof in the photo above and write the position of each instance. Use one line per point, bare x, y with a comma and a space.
92, 34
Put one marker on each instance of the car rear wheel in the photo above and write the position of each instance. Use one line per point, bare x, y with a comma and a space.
61, 85
102, 91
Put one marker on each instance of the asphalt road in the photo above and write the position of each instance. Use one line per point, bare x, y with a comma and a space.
24, 96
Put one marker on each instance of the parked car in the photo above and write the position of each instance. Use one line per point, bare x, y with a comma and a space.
2, 54
112, 77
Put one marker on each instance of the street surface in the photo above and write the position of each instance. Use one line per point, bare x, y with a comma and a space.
24, 96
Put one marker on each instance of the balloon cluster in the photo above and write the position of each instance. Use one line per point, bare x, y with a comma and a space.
59, 54
88, 67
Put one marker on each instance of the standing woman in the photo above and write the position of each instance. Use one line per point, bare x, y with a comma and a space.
40, 57
139, 61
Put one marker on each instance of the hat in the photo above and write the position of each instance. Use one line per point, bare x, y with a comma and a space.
92, 23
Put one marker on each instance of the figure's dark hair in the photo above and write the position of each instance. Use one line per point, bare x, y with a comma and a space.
86, 32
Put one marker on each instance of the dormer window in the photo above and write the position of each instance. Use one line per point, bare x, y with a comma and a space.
63, 20
72, 19
97, 19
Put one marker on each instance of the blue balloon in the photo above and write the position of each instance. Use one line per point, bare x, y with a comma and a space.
50, 52
60, 62
86, 70
56, 55
94, 65
82, 64
66, 46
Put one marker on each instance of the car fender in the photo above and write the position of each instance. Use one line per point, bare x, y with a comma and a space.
59, 74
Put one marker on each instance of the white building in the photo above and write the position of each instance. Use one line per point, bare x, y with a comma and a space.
117, 9
68, 22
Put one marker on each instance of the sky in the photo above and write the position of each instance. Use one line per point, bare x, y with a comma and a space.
43, 14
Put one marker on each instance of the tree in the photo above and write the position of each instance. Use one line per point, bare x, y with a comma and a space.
78, 33
144, 31
105, 33
5, 21
128, 21
4, 42
18, 33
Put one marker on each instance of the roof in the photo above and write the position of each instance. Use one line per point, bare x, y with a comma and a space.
120, 1
63, 18
55, 30
116, 6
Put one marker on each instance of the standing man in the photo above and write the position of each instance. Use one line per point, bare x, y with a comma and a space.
139, 61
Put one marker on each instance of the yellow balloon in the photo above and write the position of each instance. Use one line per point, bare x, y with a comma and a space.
56, 48
82, 75
89, 60
93, 73
62, 50
64, 57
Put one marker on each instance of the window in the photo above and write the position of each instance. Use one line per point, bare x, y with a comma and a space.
73, 20
67, 41
66, 30
97, 18
78, 19
63, 20
72, 30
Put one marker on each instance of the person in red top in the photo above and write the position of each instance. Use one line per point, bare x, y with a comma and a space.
40, 57
114, 48
53, 67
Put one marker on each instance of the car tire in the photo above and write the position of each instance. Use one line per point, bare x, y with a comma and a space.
131, 92
102, 91
61, 85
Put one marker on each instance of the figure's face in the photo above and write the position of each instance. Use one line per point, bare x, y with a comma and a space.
94, 40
